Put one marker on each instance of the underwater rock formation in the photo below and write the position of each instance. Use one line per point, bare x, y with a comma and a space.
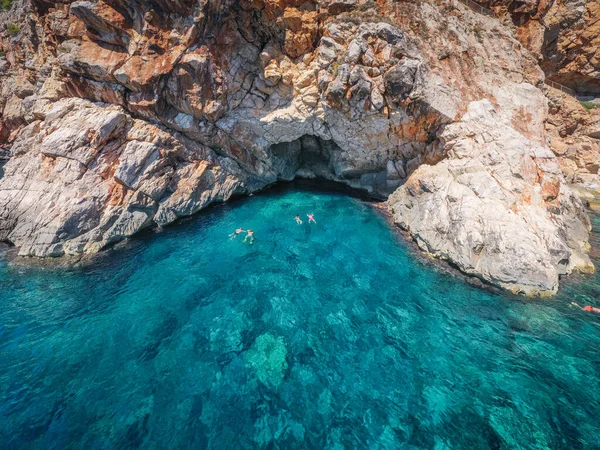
268, 358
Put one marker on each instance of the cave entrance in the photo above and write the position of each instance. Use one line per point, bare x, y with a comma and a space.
579, 86
307, 157
311, 157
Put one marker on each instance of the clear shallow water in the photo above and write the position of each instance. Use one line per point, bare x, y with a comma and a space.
324, 336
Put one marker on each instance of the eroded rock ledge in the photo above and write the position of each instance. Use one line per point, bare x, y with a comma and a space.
124, 115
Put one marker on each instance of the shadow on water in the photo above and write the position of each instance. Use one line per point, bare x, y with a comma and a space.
213, 214
319, 186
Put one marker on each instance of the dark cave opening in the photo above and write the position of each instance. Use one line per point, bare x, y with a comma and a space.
307, 157
584, 87
314, 158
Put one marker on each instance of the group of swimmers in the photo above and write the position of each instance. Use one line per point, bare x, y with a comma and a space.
250, 234
311, 218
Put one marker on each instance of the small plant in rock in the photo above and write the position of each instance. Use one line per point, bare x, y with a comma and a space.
334, 68
13, 29
6, 4
590, 105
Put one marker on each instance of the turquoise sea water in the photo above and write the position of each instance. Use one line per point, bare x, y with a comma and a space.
324, 336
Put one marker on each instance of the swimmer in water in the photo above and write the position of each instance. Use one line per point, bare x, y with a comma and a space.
236, 232
298, 220
311, 218
250, 236
588, 308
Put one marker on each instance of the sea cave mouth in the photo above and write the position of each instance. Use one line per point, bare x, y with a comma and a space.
319, 186
313, 158
299, 185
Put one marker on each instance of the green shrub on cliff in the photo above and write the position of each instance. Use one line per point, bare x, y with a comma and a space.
6, 4
590, 105
13, 29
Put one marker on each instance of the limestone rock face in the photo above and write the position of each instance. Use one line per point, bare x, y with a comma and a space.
121, 115
496, 207
86, 175
564, 35
574, 134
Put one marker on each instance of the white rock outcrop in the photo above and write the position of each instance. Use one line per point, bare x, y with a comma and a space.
88, 175
497, 207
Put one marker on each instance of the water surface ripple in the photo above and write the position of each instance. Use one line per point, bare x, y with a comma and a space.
323, 336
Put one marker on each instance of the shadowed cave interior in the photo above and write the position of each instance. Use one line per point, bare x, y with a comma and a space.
312, 157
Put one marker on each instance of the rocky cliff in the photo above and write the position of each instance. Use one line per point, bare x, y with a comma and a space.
562, 34
121, 115
574, 134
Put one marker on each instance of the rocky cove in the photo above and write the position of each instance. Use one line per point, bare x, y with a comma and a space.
328, 336
137, 136
123, 115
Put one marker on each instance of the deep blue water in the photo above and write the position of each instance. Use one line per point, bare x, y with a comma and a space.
323, 336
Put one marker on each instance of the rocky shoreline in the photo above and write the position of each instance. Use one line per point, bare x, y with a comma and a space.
9, 254
123, 116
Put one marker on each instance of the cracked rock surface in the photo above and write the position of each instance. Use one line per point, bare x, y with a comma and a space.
496, 207
122, 115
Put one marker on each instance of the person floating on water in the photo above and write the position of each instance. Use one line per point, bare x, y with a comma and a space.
311, 218
587, 308
250, 236
298, 220
236, 232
